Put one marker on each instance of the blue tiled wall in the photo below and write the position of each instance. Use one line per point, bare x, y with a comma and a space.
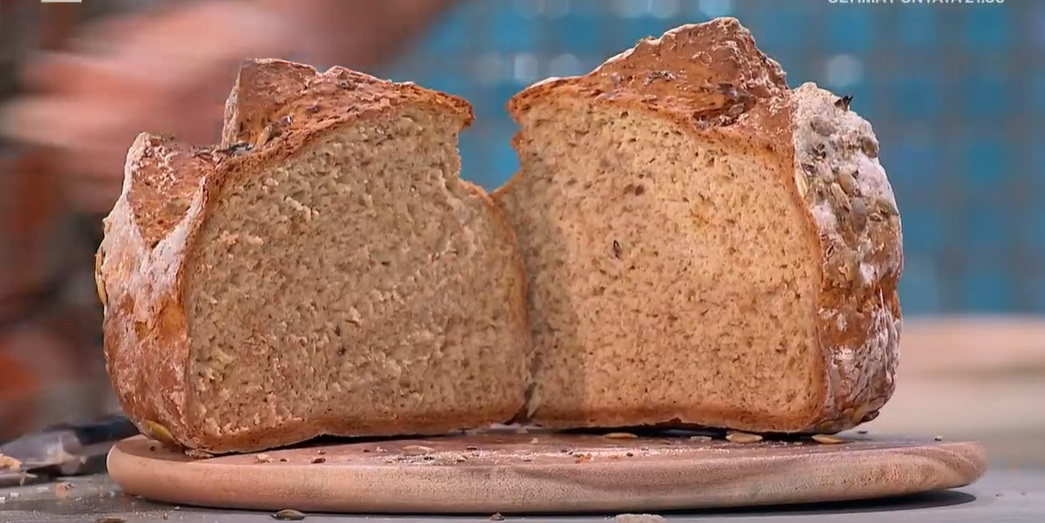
956, 94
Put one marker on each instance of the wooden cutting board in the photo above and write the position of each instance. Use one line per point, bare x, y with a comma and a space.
512, 473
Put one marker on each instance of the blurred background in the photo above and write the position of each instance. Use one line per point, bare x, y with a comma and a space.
956, 94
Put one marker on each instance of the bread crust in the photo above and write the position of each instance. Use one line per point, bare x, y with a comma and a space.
711, 80
275, 109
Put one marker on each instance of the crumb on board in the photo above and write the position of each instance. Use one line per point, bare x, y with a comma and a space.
262, 458
417, 450
62, 488
198, 454
109, 519
827, 439
638, 518
496, 517
289, 514
743, 437
318, 459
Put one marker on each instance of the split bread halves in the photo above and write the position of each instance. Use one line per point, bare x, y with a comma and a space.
324, 271
703, 244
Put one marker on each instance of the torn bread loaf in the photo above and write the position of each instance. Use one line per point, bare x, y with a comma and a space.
704, 246
324, 271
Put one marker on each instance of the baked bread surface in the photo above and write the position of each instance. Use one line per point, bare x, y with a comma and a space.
704, 245
323, 271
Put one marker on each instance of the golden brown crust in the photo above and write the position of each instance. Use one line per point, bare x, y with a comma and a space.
711, 79
858, 229
708, 77
276, 108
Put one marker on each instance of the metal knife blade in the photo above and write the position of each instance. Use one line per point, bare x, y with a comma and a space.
66, 447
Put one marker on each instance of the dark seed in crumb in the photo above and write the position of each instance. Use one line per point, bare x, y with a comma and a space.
639, 189
861, 432
938, 438
366, 450
282, 460
109, 519
629, 454
471, 447
152, 448
616, 249
289, 514
843, 102
564, 451
497, 517
319, 460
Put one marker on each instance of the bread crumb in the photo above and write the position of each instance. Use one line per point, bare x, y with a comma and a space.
638, 518
620, 435
743, 437
701, 439
289, 514
198, 454
62, 488
938, 438
109, 519
533, 441
318, 459
262, 458
417, 450
496, 517
827, 439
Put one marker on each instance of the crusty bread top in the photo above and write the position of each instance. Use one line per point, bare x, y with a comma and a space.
275, 109
274, 98
708, 76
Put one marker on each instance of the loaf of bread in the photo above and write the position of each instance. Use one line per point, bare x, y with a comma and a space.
704, 245
324, 271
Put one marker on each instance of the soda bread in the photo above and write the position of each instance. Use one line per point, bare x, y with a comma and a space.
324, 271
704, 246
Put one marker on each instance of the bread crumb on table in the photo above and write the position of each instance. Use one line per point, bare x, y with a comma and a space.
638, 518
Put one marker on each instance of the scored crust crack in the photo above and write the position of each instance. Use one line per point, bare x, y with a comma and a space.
323, 271
703, 244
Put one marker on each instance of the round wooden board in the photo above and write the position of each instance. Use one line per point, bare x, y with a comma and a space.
538, 472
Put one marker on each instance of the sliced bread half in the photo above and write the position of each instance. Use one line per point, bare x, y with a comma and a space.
704, 246
324, 271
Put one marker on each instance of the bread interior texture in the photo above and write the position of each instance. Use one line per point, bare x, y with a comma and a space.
671, 277
359, 285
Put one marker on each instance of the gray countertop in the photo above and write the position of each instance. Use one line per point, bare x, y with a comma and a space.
1003, 495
